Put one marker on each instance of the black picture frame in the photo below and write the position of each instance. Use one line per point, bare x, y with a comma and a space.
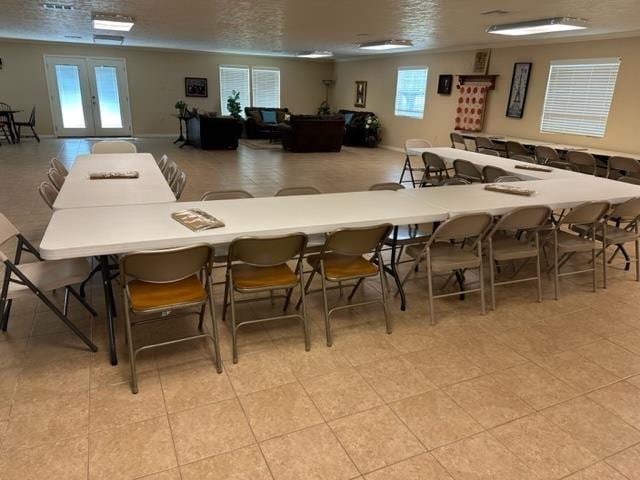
195, 87
518, 90
445, 82
361, 94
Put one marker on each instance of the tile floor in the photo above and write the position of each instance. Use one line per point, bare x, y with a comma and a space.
529, 391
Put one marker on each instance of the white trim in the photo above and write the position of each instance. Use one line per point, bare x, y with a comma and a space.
587, 61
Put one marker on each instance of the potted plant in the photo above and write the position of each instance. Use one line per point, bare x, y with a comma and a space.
181, 107
233, 104
372, 131
324, 108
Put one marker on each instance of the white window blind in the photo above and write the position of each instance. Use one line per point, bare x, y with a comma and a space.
266, 87
234, 78
578, 96
411, 89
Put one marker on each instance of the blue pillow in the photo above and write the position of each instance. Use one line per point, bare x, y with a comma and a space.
347, 118
268, 116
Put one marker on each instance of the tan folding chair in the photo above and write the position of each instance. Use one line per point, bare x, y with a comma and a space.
56, 179
444, 256
545, 155
160, 284
515, 236
386, 186
434, 165
457, 141
454, 181
409, 145
631, 180
567, 242
517, 151
467, 170
38, 278
48, 193
170, 172
487, 146
57, 165
162, 163
259, 264
582, 162
291, 191
113, 146
491, 173
343, 259
178, 184
623, 167
507, 178
225, 195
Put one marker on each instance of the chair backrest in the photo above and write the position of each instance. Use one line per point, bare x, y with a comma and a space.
162, 163
433, 162
267, 251
113, 146
466, 169
585, 214
523, 218
48, 193
624, 166
5, 106
545, 154
633, 180
454, 181
582, 162
488, 151
170, 172
484, 142
386, 186
457, 141
225, 195
178, 184
55, 178
290, 191
627, 211
507, 178
463, 226
523, 158
490, 173
57, 165
516, 148
416, 143
32, 117
164, 266
7, 232
357, 241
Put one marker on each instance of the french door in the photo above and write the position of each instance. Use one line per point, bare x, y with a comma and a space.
89, 96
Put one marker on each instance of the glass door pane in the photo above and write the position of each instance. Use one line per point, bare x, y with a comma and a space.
70, 95
108, 97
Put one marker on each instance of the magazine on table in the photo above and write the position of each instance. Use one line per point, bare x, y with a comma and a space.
113, 175
197, 220
511, 189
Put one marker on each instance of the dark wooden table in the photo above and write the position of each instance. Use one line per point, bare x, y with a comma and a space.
9, 119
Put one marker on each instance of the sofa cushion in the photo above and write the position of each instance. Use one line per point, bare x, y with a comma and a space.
347, 118
281, 116
255, 114
269, 116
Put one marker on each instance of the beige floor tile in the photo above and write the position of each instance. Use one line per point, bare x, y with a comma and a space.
599, 471
634, 380
209, 430
43, 381
486, 400
113, 405
173, 474
56, 418
628, 340
579, 372
444, 365
544, 447
279, 410
601, 320
243, 464
611, 357
318, 361
535, 385
375, 438
131, 451
592, 426
422, 467
341, 393
395, 378
621, 398
363, 347
312, 454
435, 418
487, 353
259, 371
184, 389
627, 462
65, 459
482, 457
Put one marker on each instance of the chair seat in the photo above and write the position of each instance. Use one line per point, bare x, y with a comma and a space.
447, 256
249, 277
616, 236
573, 243
149, 296
343, 267
49, 275
510, 248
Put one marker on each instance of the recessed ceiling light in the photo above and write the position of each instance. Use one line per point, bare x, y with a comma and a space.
316, 54
118, 23
386, 45
534, 27
108, 39
58, 6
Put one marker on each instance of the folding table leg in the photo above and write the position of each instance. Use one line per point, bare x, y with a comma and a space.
109, 303
392, 269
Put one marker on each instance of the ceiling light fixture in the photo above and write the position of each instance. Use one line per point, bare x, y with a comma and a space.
118, 23
316, 54
534, 27
108, 39
58, 7
386, 45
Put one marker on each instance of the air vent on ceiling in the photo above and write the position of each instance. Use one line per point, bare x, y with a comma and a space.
108, 39
495, 12
58, 7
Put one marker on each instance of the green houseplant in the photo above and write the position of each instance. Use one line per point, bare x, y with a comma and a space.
372, 131
233, 104
181, 107
324, 108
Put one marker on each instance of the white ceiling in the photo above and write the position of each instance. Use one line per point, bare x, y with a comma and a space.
284, 27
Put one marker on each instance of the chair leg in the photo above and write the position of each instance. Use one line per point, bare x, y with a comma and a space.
82, 301
404, 169
414, 266
327, 322
355, 288
214, 326
83, 285
556, 281
481, 274
201, 318
604, 255
226, 297
538, 268
383, 291
432, 316
132, 352
306, 288
492, 279
637, 242
234, 333
305, 320
35, 134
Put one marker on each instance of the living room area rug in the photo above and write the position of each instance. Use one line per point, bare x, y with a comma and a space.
260, 144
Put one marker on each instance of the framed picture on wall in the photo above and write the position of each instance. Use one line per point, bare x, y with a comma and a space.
361, 94
195, 87
518, 92
444, 84
481, 61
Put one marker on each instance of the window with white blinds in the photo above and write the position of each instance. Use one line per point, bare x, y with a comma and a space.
234, 78
265, 87
578, 97
411, 90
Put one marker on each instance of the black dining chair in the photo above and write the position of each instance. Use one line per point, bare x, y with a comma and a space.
31, 123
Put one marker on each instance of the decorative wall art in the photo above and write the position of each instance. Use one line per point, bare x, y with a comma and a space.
195, 87
481, 61
361, 94
518, 92
445, 83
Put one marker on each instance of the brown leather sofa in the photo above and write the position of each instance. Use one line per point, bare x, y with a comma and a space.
211, 133
254, 125
313, 133
354, 131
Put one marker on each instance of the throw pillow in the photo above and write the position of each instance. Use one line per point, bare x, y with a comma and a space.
269, 116
347, 118
255, 114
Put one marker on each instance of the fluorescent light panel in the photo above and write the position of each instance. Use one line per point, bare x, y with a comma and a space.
534, 27
108, 39
117, 23
316, 54
386, 45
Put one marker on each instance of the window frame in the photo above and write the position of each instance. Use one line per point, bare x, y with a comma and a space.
223, 100
426, 85
271, 69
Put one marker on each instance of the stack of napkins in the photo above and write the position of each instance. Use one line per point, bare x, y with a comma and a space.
111, 175
197, 220
512, 189
537, 168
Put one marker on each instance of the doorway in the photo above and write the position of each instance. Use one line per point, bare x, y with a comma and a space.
89, 96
